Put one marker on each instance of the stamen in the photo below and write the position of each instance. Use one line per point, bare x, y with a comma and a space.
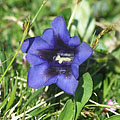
63, 59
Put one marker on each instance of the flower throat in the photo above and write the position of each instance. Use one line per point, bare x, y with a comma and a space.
64, 57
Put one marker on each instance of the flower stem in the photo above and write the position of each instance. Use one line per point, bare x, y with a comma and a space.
26, 30
44, 2
24, 35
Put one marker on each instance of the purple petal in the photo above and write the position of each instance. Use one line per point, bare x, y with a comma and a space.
84, 51
27, 44
60, 29
49, 37
75, 70
37, 76
67, 83
74, 41
52, 80
34, 59
34, 43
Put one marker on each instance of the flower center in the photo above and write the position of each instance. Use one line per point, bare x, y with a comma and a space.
57, 56
64, 57
60, 60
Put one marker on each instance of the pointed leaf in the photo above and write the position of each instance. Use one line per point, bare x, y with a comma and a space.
67, 112
83, 92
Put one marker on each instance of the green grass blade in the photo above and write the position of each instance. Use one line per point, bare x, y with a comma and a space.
12, 96
4, 102
33, 96
40, 110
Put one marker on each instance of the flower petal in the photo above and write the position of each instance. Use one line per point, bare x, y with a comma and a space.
67, 83
34, 59
49, 37
60, 29
75, 70
52, 80
37, 76
84, 51
74, 41
34, 43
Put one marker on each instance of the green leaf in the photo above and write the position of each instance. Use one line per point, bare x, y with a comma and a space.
83, 93
114, 117
84, 19
67, 112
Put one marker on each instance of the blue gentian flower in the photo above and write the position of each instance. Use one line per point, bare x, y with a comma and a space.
55, 57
